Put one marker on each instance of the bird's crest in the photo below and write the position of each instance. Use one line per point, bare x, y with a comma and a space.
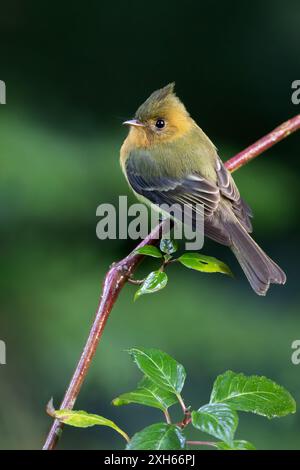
158, 103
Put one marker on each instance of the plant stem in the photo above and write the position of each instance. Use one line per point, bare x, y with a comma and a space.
181, 402
167, 416
113, 283
120, 272
201, 443
263, 144
135, 282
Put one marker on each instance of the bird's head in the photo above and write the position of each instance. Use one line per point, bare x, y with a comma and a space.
162, 117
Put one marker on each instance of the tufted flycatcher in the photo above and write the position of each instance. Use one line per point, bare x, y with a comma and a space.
167, 158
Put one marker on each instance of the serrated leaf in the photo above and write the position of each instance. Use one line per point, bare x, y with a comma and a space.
149, 250
82, 419
218, 420
253, 393
160, 436
154, 282
204, 263
168, 246
148, 394
236, 445
161, 368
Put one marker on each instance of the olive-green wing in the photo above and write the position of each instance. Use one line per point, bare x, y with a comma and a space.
143, 176
190, 191
229, 190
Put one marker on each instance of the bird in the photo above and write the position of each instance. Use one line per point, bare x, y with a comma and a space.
168, 159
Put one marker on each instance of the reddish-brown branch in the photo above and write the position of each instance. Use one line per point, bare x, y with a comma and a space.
263, 144
119, 273
114, 281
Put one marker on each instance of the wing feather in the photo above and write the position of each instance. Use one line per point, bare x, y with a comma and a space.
192, 189
230, 191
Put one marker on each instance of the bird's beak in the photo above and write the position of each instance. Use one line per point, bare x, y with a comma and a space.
133, 122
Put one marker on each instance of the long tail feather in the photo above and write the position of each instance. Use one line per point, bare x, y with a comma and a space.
259, 269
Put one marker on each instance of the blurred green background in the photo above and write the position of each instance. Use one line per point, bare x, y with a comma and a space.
73, 72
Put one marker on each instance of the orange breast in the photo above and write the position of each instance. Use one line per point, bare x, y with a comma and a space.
137, 138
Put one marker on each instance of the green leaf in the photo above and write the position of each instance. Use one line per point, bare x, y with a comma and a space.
237, 445
218, 420
149, 250
168, 246
82, 419
255, 394
204, 263
160, 436
161, 368
148, 394
154, 282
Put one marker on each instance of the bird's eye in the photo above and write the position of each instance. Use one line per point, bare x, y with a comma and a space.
160, 123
